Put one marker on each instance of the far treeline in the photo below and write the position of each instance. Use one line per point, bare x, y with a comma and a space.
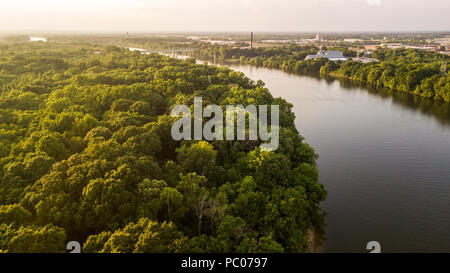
408, 70
86, 154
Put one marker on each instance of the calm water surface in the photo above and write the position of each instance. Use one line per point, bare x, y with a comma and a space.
384, 160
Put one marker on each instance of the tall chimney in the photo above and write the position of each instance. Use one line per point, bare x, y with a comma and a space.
251, 40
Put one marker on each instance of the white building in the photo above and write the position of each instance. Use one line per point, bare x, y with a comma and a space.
331, 55
38, 39
353, 40
319, 37
137, 49
221, 42
364, 60
277, 41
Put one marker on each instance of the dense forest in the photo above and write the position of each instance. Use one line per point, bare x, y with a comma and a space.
86, 155
408, 70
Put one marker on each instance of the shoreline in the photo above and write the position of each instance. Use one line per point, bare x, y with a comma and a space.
331, 75
316, 241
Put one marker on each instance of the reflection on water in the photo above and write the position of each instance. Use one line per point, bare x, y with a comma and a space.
438, 109
384, 160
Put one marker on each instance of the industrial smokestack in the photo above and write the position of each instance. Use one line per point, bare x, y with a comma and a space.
251, 40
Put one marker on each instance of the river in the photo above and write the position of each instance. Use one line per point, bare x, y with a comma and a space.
384, 160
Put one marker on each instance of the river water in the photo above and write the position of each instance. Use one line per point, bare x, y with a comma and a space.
384, 160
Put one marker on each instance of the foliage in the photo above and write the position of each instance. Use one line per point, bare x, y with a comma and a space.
86, 154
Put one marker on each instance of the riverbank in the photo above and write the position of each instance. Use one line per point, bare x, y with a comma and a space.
424, 74
383, 155
324, 75
316, 241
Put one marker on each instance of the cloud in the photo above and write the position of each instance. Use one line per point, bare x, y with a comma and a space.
226, 15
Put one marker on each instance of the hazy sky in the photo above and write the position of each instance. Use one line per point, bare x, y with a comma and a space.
225, 15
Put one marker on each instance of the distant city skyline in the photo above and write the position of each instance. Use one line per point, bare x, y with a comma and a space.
225, 15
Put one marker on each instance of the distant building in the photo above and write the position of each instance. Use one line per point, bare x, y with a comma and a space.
364, 60
394, 46
372, 47
331, 55
353, 40
137, 49
319, 37
221, 42
423, 47
278, 41
38, 39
